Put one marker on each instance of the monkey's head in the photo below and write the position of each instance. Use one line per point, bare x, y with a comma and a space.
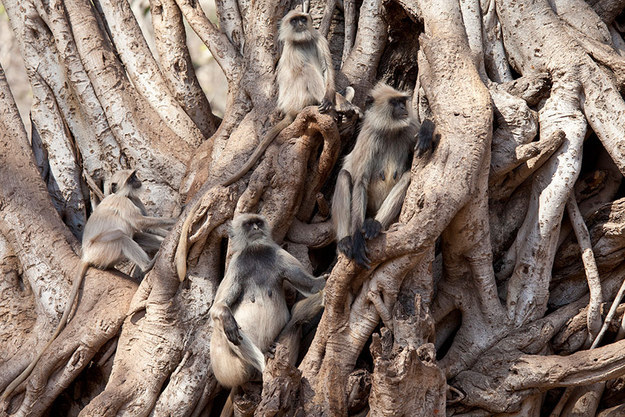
249, 230
296, 27
125, 182
391, 108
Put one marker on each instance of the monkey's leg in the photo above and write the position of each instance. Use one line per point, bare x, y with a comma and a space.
341, 212
150, 242
133, 251
390, 208
160, 231
239, 342
359, 207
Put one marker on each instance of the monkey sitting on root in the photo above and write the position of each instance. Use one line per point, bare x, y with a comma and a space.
305, 76
376, 174
108, 240
250, 309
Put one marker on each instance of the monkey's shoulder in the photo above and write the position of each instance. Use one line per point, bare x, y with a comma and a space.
119, 204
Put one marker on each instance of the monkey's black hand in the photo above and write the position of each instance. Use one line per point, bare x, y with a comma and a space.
231, 328
425, 138
359, 251
271, 351
371, 228
345, 246
325, 105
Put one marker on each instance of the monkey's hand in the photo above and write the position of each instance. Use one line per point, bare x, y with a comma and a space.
359, 250
345, 246
371, 228
271, 350
231, 328
325, 105
425, 137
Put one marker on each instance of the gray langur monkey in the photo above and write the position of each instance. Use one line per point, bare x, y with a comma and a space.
250, 309
305, 76
107, 240
376, 174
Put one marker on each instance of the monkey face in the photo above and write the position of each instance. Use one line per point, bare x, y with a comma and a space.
250, 227
133, 181
296, 27
255, 228
299, 23
398, 104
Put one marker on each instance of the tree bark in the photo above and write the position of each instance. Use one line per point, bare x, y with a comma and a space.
483, 298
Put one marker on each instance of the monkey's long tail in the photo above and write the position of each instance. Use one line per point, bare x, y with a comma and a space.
261, 148
70, 303
228, 410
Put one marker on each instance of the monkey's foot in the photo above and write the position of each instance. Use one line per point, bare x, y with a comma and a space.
359, 251
345, 246
371, 228
325, 106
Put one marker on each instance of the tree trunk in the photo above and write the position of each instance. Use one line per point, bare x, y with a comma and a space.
484, 298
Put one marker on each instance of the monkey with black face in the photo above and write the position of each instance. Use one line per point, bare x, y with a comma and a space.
250, 309
305, 77
107, 240
376, 174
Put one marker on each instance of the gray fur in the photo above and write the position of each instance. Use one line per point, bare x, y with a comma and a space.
377, 164
249, 303
305, 77
305, 74
341, 204
107, 240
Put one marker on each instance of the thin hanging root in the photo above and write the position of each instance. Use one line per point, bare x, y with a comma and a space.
375, 298
93, 186
183, 244
610, 316
590, 266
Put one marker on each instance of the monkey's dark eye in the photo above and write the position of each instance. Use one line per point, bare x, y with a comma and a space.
299, 21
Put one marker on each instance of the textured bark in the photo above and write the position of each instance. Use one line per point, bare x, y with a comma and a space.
477, 302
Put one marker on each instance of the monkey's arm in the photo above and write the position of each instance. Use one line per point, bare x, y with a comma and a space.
146, 222
390, 208
229, 291
328, 74
295, 273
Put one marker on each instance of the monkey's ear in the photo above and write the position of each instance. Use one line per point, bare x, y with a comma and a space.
349, 93
368, 101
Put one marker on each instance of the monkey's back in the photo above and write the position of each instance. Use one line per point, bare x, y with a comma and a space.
300, 78
113, 217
